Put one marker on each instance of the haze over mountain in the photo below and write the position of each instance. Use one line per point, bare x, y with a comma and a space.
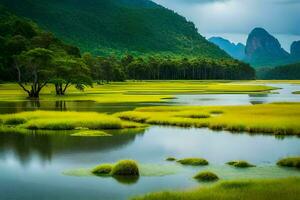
236, 51
117, 26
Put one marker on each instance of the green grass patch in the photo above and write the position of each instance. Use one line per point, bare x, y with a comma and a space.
170, 159
206, 176
52, 120
125, 168
91, 134
297, 92
103, 169
240, 164
136, 92
193, 161
277, 189
275, 118
289, 162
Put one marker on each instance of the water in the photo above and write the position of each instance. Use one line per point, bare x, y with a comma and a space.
285, 94
32, 166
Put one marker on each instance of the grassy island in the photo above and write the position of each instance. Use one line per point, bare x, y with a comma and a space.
276, 118
277, 189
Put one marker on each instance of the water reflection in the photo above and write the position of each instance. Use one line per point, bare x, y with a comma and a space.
26, 147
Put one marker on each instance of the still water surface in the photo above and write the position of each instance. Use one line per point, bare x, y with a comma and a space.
32, 166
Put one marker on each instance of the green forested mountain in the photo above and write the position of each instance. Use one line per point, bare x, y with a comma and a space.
284, 72
106, 26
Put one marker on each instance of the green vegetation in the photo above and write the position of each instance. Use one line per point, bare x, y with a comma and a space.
206, 176
148, 170
290, 162
51, 120
135, 92
125, 168
103, 169
118, 27
91, 134
34, 58
277, 118
297, 92
285, 72
277, 189
240, 164
170, 159
193, 161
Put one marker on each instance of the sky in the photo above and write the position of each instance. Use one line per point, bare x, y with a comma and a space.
234, 19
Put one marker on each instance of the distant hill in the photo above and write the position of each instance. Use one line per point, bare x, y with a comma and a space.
117, 26
285, 72
236, 51
263, 49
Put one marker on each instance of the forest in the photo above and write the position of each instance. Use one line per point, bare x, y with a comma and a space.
35, 58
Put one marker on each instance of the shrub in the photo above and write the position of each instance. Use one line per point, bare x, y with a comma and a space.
125, 168
171, 159
206, 176
240, 164
103, 169
193, 161
15, 121
289, 162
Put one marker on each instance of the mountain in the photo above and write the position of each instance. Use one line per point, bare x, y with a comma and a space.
263, 49
236, 51
295, 49
284, 72
117, 26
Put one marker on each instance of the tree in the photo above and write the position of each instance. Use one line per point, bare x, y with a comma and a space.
71, 71
34, 68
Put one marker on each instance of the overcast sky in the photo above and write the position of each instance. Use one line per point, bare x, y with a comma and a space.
236, 18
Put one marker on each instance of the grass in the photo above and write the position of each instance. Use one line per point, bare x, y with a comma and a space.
289, 162
193, 161
240, 164
103, 169
91, 134
276, 118
206, 176
125, 168
297, 92
136, 91
51, 120
170, 159
276, 189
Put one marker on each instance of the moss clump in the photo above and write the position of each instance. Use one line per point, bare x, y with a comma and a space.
206, 176
193, 161
170, 159
125, 168
289, 162
15, 121
103, 169
240, 164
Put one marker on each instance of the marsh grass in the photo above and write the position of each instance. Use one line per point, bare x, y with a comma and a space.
193, 161
206, 176
170, 159
102, 170
125, 168
240, 164
276, 189
289, 162
52, 120
276, 118
91, 134
136, 92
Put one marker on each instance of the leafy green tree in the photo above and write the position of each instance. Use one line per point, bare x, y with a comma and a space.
34, 68
71, 71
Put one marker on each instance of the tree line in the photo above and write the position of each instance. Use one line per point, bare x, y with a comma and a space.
35, 58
